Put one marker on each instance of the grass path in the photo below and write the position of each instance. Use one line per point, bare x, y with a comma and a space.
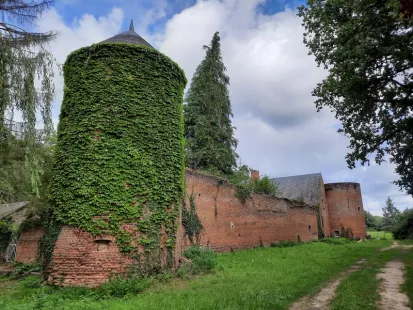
365, 289
360, 290
322, 300
375, 284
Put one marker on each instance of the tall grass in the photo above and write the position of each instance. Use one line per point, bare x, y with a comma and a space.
202, 259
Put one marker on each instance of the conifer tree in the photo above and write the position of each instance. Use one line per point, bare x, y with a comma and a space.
390, 213
209, 134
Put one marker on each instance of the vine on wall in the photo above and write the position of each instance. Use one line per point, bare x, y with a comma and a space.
119, 155
320, 224
190, 220
6, 232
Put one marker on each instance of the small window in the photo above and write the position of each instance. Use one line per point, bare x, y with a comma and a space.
337, 232
358, 209
103, 244
309, 228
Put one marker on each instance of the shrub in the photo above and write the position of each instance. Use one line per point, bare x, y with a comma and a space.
203, 259
246, 187
6, 231
264, 186
337, 241
346, 232
284, 244
32, 282
403, 229
22, 269
119, 287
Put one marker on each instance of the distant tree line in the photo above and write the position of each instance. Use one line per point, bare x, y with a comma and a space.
393, 220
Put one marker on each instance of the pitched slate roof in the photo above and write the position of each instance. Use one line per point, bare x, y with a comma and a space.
300, 187
9, 208
129, 36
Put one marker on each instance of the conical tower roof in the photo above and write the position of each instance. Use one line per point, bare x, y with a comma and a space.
129, 36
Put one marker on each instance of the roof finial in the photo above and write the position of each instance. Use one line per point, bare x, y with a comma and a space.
131, 28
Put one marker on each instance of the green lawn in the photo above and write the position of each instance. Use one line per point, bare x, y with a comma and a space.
381, 235
262, 278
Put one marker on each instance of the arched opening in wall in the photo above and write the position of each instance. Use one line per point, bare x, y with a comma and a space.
358, 209
337, 233
102, 244
309, 232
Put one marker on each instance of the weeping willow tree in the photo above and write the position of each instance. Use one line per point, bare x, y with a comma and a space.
26, 87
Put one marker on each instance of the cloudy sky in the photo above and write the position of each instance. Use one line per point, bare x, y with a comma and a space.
279, 130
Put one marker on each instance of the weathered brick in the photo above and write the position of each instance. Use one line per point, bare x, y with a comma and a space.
346, 208
81, 259
28, 245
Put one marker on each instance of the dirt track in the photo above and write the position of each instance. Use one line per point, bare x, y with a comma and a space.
391, 297
323, 299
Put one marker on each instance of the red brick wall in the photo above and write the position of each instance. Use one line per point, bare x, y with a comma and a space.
229, 224
324, 210
346, 207
28, 245
81, 259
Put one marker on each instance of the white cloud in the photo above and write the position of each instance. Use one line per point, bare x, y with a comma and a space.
279, 131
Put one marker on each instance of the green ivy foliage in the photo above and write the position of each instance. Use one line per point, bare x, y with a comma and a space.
119, 156
190, 220
245, 187
47, 244
6, 232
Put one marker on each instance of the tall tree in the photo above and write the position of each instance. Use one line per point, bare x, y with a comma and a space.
403, 229
368, 51
370, 221
24, 64
209, 134
390, 214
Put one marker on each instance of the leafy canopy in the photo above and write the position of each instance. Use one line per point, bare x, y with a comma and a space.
209, 134
14, 176
403, 229
371, 222
367, 47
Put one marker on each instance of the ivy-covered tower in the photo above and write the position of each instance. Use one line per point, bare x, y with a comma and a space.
118, 168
